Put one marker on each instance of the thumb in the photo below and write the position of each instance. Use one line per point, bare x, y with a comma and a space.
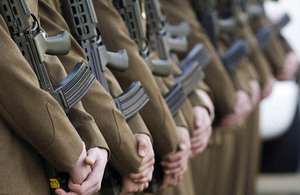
91, 157
142, 146
60, 192
182, 146
198, 116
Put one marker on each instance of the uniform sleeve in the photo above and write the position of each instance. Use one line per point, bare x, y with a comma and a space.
31, 112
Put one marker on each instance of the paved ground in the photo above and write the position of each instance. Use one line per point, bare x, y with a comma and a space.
279, 185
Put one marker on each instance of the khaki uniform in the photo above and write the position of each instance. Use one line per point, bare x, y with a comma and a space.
33, 124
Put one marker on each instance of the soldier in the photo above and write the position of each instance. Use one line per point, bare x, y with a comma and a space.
162, 127
166, 83
23, 136
136, 168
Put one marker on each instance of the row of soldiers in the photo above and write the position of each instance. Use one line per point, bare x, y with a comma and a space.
135, 96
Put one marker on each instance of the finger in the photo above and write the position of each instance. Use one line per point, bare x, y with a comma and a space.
165, 182
171, 165
197, 144
142, 146
182, 146
202, 130
146, 185
199, 138
230, 121
204, 142
198, 118
179, 174
147, 178
197, 132
142, 176
60, 192
93, 189
174, 171
175, 157
92, 157
92, 180
141, 187
200, 149
145, 165
173, 182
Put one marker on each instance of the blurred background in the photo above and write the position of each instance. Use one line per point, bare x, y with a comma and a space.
280, 118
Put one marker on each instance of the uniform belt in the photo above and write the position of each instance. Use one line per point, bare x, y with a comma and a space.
263, 37
199, 54
281, 22
235, 54
132, 100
